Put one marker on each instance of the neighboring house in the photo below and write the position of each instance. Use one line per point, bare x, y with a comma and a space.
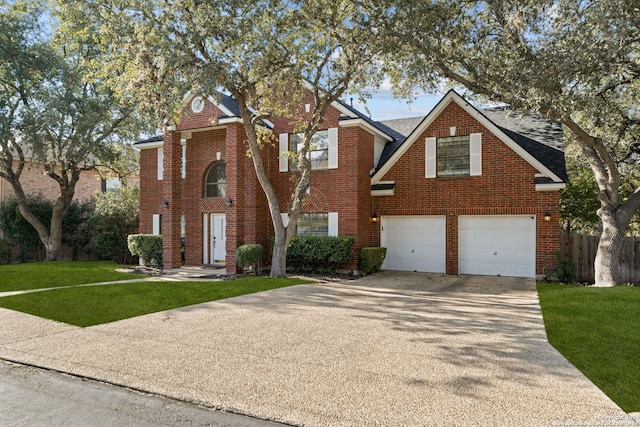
35, 183
460, 191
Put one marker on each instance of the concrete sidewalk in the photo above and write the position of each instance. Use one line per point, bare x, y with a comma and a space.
391, 349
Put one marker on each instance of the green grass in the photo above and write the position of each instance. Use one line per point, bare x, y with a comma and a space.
38, 275
597, 330
93, 305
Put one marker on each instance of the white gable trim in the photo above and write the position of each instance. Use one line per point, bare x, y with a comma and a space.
553, 186
148, 145
361, 122
452, 96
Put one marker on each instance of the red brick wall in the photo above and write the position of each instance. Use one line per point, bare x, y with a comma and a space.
505, 187
35, 182
150, 189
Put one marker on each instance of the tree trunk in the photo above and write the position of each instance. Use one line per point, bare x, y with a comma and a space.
279, 257
608, 254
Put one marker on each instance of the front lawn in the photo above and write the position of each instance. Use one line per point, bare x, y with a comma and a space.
596, 329
38, 275
93, 305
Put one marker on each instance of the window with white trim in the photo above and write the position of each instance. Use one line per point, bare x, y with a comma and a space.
160, 154
318, 149
452, 156
313, 224
323, 152
215, 183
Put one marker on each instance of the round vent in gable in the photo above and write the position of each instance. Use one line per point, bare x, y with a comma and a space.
197, 105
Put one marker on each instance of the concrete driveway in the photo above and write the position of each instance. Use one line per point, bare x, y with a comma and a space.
394, 349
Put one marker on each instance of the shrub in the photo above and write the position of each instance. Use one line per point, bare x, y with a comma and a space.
371, 259
147, 246
115, 217
16, 228
76, 231
5, 251
565, 271
319, 253
249, 255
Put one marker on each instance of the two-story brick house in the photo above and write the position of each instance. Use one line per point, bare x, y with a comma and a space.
460, 191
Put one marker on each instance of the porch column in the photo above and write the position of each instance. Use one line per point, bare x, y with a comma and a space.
236, 157
172, 200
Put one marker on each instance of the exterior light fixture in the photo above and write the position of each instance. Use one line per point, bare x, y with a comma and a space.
374, 217
547, 216
229, 201
165, 204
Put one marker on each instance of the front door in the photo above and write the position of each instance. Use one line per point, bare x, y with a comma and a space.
214, 238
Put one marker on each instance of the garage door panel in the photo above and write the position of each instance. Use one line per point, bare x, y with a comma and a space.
497, 245
414, 243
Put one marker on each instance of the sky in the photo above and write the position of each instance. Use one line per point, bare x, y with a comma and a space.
383, 106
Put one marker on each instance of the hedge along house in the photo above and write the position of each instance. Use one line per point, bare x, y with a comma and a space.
460, 191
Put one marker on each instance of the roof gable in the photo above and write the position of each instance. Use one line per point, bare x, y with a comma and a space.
547, 160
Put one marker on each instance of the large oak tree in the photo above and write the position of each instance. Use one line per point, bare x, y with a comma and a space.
267, 54
51, 114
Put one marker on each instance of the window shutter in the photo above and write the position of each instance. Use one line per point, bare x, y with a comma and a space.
160, 163
156, 224
285, 218
475, 153
284, 147
430, 158
333, 224
184, 162
333, 148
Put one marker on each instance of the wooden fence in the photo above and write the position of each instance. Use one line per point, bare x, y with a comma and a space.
582, 250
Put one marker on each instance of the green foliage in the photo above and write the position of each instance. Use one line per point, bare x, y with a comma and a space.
75, 227
371, 259
93, 305
249, 255
319, 253
18, 230
5, 251
579, 203
564, 271
147, 246
116, 216
596, 329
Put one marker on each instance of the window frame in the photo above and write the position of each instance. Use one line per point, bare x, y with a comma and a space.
218, 184
443, 161
307, 216
295, 139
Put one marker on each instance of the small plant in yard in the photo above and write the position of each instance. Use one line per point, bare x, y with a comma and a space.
564, 272
249, 255
147, 246
371, 259
319, 253
5, 251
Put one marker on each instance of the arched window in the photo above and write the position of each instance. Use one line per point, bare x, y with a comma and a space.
215, 183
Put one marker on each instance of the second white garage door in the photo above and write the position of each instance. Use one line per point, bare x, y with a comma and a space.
500, 245
414, 243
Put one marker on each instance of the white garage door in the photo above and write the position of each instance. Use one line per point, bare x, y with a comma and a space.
497, 245
414, 243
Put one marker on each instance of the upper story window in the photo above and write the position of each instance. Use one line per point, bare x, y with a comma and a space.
452, 156
215, 183
318, 149
323, 150
313, 224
